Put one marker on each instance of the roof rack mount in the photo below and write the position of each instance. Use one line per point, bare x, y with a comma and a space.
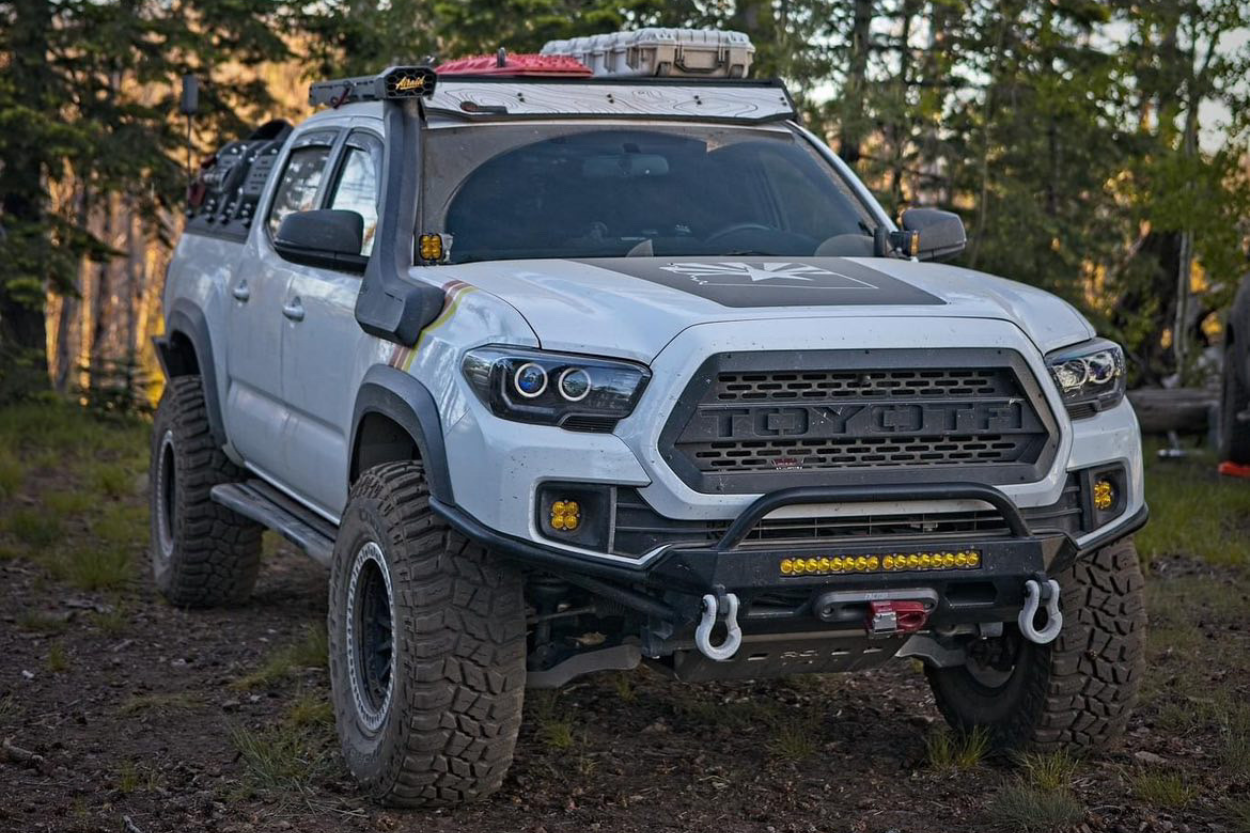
391, 84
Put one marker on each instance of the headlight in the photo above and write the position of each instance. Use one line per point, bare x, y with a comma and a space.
1090, 376
574, 392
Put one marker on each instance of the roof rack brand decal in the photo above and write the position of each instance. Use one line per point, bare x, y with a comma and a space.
789, 282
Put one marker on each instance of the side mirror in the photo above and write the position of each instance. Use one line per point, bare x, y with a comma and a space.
326, 237
930, 234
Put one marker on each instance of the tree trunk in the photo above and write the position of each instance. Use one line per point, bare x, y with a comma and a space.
851, 130
24, 244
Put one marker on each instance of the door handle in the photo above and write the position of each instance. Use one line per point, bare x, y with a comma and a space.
294, 310
241, 292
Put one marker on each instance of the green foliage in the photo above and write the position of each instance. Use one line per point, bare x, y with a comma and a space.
1049, 772
1170, 790
32, 527
1193, 511
1022, 807
951, 751
281, 758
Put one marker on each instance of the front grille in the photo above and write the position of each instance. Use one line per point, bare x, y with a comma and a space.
756, 422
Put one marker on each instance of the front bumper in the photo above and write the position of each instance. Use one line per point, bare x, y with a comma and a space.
668, 588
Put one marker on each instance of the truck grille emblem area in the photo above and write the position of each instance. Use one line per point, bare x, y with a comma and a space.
746, 426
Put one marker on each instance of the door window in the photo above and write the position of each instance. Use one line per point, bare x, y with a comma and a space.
357, 190
300, 181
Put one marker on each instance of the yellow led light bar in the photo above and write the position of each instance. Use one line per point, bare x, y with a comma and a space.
891, 563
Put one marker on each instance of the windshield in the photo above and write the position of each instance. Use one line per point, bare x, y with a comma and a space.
567, 191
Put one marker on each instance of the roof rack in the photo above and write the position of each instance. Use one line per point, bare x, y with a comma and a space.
390, 84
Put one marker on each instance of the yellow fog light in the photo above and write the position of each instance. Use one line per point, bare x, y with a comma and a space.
430, 247
565, 515
974, 559
1104, 495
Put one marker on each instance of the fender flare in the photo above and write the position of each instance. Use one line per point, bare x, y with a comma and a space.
400, 397
188, 320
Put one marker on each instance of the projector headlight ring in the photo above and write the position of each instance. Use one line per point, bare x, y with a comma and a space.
580, 393
1090, 376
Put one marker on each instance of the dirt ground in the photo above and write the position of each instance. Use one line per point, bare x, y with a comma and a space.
120, 713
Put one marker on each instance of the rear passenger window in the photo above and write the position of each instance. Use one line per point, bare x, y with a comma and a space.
297, 191
357, 190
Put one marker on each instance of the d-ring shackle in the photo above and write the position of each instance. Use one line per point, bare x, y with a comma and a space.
703, 633
1032, 601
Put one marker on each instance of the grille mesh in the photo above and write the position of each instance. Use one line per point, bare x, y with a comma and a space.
841, 385
775, 455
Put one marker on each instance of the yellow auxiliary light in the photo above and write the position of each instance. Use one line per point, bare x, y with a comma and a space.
565, 515
894, 562
431, 249
1104, 495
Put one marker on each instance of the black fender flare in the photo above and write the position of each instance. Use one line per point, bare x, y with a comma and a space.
401, 398
188, 320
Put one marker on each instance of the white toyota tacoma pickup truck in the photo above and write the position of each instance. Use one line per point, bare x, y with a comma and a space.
561, 372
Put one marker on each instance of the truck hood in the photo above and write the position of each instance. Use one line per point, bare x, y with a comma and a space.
632, 307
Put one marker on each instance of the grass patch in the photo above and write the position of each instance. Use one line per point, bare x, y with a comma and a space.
35, 528
281, 758
113, 480
40, 622
1194, 511
737, 715
312, 651
11, 474
1049, 773
624, 686
57, 428
556, 734
8, 707
950, 751
58, 660
133, 777
794, 740
67, 503
1235, 756
100, 567
122, 525
113, 621
310, 709
1238, 815
1020, 806
160, 702
1162, 788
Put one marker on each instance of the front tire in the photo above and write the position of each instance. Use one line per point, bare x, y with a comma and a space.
427, 648
203, 555
1075, 693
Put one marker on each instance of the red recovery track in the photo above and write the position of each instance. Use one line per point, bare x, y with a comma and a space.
550, 66
1231, 469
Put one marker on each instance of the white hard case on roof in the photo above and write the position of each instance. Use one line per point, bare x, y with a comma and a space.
683, 53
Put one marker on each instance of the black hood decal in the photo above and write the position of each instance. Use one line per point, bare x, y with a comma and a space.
772, 282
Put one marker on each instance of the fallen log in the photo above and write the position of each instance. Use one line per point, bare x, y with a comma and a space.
1185, 410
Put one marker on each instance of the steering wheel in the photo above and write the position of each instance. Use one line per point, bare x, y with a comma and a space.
734, 228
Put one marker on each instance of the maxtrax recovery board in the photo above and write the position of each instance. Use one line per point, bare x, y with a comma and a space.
526, 351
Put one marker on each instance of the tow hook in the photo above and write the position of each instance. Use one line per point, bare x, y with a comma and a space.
896, 617
703, 633
1036, 591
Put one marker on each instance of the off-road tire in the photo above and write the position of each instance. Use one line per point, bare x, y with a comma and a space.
447, 726
1077, 692
203, 554
1234, 400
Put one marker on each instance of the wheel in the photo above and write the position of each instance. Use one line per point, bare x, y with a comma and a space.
203, 554
427, 648
1075, 693
1234, 400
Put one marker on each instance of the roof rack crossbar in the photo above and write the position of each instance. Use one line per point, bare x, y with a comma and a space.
390, 84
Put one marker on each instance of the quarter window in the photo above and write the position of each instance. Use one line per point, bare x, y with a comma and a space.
357, 190
298, 189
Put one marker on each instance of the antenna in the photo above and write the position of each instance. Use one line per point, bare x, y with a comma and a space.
189, 106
